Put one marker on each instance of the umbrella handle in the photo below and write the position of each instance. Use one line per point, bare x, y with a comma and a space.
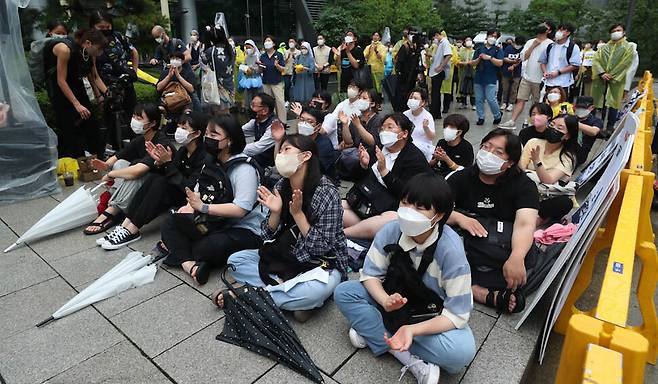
48, 320
223, 276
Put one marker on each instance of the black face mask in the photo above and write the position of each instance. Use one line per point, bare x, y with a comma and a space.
553, 136
107, 32
212, 147
541, 29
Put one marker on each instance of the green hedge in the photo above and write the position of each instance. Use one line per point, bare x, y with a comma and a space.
145, 94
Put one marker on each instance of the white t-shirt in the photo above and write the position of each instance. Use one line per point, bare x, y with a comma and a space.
531, 70
418, 135
330, 123
442, 51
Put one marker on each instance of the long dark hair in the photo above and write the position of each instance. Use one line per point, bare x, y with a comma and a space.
219, 39
513, 150
98, 16
312, 177
570, 147
233, 130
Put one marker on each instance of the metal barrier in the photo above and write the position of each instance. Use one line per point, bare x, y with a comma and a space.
628, 233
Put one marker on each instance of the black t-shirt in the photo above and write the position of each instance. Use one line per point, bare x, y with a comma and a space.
135, 151
461, 154
500, 201
530, 133
357, 54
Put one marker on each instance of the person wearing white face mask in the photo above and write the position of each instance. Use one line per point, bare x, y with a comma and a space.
557, 99
165, 188
305, 215
380, 178
195, 46
221, 215
175, 73
250, 72
350, 56
610, 65
424, 132
453, 151
466, 74
414, 261
487, 59
561, 59
496, 194
290, 56
304, 68
350, 107
167, 46
272, 65
375, 54
128, 167
323, 58
439, 70
589, 126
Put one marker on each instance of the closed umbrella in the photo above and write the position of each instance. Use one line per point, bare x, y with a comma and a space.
253, 321
133, 271
76, 210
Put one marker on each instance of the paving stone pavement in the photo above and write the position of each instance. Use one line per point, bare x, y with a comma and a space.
165, 332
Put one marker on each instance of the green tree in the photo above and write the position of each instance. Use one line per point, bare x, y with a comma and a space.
472, 18
499, 12
333, 22
374, 15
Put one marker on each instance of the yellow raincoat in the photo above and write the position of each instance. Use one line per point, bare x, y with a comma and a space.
446, 86
615, 59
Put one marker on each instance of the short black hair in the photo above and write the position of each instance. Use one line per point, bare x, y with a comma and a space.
56, 23
233, 130
198, 121
458, 121
152, 112
584, 101
317, 114
325, 96
269, 37
492, 31
568, 26
520, 40
428, 191
615, 25
267, 101
402, 121
542, 109
421, 91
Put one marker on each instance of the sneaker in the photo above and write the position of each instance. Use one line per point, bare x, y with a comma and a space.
120, 237
425, 373
104, 239
503, 106
480, 122
509, 124
510, 107
497, 121
357, 340
473, 107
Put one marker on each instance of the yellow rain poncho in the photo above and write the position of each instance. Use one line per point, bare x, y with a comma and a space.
615, 59
446, 86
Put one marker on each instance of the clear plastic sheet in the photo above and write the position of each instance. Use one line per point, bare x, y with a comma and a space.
28, 147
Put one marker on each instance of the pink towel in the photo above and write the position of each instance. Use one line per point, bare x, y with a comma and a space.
556, 233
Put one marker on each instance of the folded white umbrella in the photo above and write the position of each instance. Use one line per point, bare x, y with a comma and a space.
76, 210
133, 271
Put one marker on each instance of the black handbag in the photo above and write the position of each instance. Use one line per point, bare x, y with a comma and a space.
363, 77
401, 277
370, 198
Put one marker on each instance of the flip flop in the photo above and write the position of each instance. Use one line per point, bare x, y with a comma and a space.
215, 296
108, 222
202, 272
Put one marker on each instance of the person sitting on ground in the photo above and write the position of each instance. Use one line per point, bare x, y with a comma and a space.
424, 133
303, 229
421, 237
165, 187
351, 106
321, 100
557, 99
553, 160
453, 151
260, 127
540, 115
310, 124
495, 189
129, 166
590, 127
381, 177
231, 224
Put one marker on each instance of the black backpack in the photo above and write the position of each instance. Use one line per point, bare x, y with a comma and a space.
570, 48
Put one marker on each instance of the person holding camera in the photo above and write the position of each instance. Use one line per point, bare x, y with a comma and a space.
116, 72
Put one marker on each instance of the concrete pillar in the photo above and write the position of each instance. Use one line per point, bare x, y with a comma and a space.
188, 19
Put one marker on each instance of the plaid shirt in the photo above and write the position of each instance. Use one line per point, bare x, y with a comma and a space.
326, 235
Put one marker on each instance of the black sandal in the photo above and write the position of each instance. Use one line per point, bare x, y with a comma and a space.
502, 300
202, 272
108, 222
215, 296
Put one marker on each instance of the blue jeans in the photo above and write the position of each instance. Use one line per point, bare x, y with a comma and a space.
488, 92
451, 350
303, 296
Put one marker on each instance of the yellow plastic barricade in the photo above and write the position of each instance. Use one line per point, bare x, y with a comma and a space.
602, 366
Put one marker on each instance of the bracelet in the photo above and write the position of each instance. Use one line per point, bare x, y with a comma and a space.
538, 165
205, 208
559, 72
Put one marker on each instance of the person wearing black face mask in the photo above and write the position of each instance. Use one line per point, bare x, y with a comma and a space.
552, 161
115, 72
260, 126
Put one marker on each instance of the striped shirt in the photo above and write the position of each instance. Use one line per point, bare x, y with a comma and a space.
449, 274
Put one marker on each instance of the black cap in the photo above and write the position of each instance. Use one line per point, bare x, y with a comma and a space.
584, 101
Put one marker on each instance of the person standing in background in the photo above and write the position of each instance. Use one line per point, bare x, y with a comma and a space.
511, 73
439, 70
292, 53
271, 63
350, 56
488, 59
466, 73
375, 54
631, 71
322, 55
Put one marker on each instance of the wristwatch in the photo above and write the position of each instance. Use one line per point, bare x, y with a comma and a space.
559, 72
204, 208
536, 166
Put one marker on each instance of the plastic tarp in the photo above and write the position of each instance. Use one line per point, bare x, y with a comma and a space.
28, 147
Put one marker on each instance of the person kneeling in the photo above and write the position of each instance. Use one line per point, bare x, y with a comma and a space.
415, 283
302, 232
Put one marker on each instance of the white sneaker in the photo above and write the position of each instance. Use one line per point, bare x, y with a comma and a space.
509, 124
510, 107
357, 340
425, 373
473, 107
120, 237
503, 106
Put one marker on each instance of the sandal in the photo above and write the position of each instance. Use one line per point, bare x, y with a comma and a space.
502, 300
202, 272
215, 296
106, 223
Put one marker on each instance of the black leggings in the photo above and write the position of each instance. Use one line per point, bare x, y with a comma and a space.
215, 247
154, 197
555, 208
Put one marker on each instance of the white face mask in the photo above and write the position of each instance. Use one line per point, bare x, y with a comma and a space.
159, 40
194, 38
436, 41
137, 126
304, 51
349, 39
491, 40
175, 63
616, 35
268, 45
468, 44
305, 128
56, 36
287, 164
182, 136
449, 134
553, 97
352, 93
413, 104
291, 45
390, 49
362, 105
426, 46
488, 163
249, 51
600, 45
320, 42
388, 138
582, 112
559, 35
412, 222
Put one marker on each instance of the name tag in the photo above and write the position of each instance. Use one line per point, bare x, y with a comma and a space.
500, 227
